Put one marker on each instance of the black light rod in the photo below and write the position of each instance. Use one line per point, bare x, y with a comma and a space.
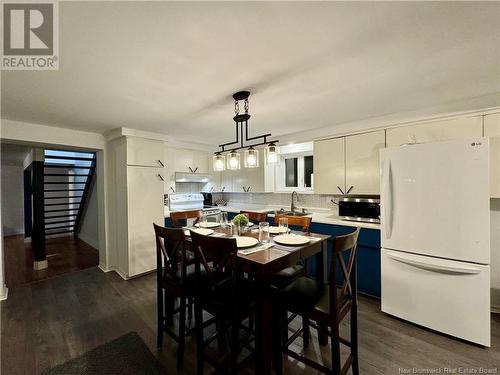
247, 146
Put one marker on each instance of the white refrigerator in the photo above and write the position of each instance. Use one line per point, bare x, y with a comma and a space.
435, 236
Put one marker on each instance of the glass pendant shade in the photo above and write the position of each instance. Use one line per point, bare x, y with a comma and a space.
233, 160
219, 162
251, 158
271, 153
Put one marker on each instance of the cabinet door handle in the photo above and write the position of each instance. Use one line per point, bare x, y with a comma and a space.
161, 178
159, 161
338, 187
195, 170
348, 191
171, 188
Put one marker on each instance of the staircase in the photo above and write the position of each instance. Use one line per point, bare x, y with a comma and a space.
68, 178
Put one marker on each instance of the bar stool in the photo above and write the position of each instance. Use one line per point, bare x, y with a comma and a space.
327, 305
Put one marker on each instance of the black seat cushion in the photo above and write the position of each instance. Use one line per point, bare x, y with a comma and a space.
287, 275
189, 281
301, 295
220, 301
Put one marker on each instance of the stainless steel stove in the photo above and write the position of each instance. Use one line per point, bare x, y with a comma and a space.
191, 201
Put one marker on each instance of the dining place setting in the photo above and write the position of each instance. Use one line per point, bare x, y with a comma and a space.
251, 276
252, 237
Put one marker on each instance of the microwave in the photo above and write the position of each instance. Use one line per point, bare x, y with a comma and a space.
364, 208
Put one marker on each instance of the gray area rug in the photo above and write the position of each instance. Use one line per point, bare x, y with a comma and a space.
127, 355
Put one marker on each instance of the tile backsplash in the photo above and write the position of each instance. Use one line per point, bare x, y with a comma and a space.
311, 201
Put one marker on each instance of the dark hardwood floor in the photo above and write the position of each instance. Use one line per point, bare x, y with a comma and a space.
49, 322
64, 254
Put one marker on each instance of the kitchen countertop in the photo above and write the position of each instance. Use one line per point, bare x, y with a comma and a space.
323, 216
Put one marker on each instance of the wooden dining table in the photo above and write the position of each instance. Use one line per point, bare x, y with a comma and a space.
262, 265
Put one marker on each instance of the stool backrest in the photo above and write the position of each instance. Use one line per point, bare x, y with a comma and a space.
344, 246
170, 252
255, 216
179, 219
303, 222
218, 256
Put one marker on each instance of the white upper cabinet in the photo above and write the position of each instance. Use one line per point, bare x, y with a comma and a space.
201, 161
362, 162
492, 130
458, 128
253, 178
329, 166
145, 152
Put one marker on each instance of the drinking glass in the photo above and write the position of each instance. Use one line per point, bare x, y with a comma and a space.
264, 232
203, 221
223, 219
283, 225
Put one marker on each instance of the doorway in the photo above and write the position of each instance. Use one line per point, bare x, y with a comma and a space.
49, 212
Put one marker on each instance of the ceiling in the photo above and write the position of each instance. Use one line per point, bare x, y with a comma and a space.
172, 67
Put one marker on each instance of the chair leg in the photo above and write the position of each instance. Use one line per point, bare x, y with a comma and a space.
235, 346
354, 338
305, 332
159, 306
169, 309
198, 321
277, 344
284, 327
335, 348
182, 333
190, 309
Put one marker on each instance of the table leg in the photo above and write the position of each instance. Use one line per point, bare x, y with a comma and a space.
263, 333
321, 274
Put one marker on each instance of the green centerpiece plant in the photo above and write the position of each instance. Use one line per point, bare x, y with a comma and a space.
240, 221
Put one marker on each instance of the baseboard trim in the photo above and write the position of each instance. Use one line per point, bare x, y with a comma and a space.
105, 269
40, 265
4, 294
495, 300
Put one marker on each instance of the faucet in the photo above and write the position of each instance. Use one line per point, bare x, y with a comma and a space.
292, 204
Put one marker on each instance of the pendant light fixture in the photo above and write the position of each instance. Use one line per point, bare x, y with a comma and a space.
271, 153
251, 155
219, 162
251, 158
233, 160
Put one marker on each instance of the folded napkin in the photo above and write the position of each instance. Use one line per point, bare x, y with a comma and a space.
255, 249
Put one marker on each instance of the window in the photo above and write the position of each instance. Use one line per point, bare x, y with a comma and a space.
295, 173
291, 173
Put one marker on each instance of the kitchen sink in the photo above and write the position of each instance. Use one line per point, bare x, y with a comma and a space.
288, 213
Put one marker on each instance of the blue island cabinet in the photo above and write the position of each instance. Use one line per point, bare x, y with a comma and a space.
368, 255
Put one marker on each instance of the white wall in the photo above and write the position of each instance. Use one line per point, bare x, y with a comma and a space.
89, 230
13, 198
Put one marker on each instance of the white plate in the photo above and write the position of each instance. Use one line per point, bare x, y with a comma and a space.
203, 231
244, 241
250, 224
291, 239
276, 230
207, 224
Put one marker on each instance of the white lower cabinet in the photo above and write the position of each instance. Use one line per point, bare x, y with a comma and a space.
145, 207
492, 130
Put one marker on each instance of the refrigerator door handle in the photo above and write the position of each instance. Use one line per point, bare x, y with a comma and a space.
429, 265
387, 206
